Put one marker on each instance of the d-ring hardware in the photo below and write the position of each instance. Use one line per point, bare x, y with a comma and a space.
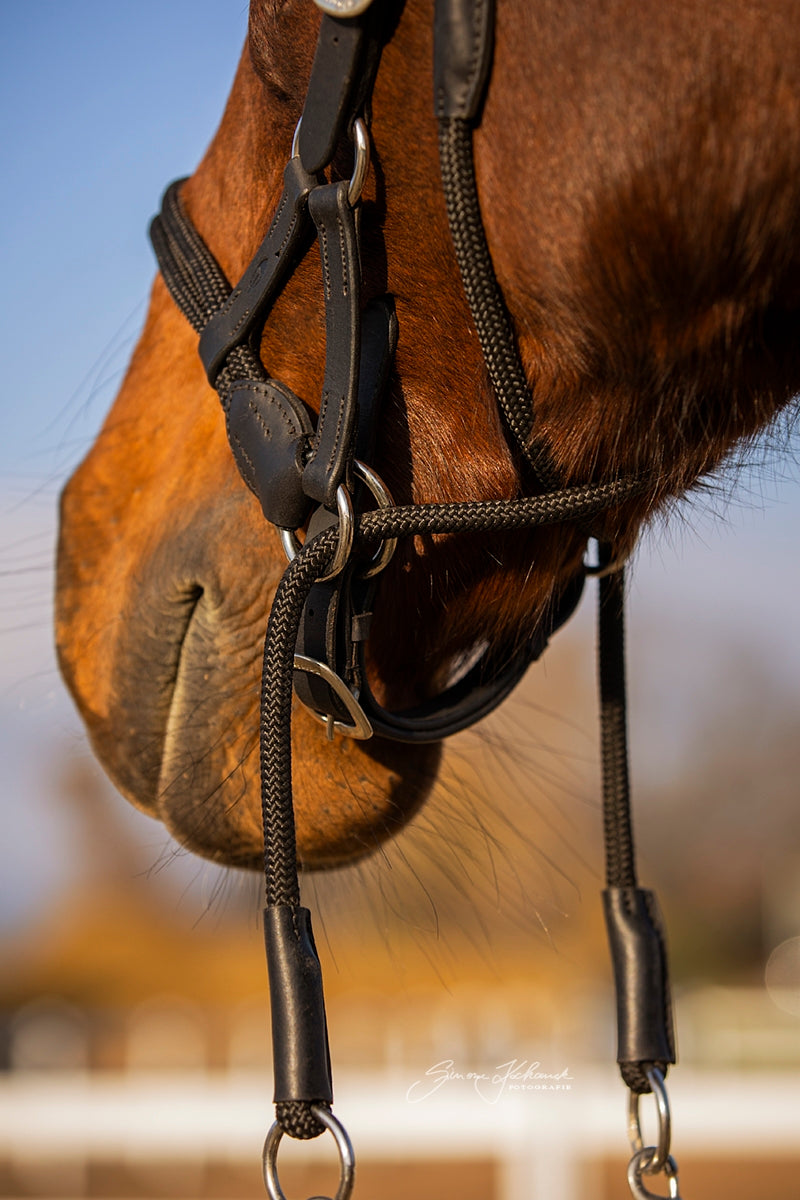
360, 162
292, 544
360, 140
639, 1166
659, 1154
383, 496
361, 729
347, 1162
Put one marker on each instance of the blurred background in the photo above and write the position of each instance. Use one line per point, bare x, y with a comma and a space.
134, 1056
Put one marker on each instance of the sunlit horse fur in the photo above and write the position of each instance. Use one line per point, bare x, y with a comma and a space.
639, 172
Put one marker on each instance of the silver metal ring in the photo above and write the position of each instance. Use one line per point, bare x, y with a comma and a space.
347, 1161
660, 1153
639, 1166
360, 162
292, 544
381, 493
361, 155
296, 137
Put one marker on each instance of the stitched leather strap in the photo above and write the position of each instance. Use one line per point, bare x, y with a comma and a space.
462, 56
243, 314
334, 76
335, 221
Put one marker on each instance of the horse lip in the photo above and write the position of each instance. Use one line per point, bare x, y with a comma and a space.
147, 681
203, 773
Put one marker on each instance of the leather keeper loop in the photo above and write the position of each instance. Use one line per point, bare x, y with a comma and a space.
299, 1029
644, 1009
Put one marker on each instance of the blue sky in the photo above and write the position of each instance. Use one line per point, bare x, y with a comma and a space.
102, 104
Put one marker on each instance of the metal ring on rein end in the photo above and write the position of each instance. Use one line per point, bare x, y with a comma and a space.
383, 496
639, 1166
347, 1161
660, 1153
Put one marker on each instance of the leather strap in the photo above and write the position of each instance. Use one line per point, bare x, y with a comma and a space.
334, 76
302, 1064
476, 695
644, 1012
242, 316
464, 36
334, 629
341, 276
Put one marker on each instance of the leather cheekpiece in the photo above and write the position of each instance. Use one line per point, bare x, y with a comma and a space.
334, 76
333, 216
241, 318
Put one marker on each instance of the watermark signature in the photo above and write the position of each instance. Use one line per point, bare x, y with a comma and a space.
516, 1075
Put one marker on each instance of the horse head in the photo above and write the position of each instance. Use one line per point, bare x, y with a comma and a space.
639, 178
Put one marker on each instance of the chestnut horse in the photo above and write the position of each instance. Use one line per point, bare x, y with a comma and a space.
639, 175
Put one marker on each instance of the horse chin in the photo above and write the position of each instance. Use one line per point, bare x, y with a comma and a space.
164, 663
349, 797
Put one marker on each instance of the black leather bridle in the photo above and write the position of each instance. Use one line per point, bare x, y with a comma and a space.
304, 473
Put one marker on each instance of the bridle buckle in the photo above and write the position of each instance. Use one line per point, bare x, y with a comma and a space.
361, 729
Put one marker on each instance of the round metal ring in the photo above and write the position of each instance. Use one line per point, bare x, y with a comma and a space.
292, 544
661, 1151
639, 1166
347, 1161
383, 496
360, 163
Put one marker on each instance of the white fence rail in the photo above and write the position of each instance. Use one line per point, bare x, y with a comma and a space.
540, 1139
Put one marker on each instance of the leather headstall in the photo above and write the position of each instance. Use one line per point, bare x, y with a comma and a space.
305, 473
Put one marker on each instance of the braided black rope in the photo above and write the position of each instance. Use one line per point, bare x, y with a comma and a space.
617, 827
195, 280
572, 504
296, 1118
280, 846
197, 284
488, 308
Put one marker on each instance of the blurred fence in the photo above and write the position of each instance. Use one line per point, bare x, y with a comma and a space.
175, 1118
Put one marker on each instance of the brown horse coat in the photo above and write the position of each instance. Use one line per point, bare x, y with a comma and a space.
639, 172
